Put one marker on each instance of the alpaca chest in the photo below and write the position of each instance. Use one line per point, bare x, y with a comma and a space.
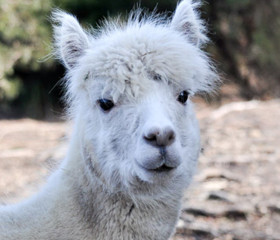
132, 223
120, 220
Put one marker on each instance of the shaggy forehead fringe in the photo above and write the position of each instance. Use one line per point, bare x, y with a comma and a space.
136, 18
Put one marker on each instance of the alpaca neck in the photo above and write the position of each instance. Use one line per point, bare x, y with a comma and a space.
117, 215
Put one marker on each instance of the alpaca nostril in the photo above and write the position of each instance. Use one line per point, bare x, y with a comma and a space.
152, 136
160, 137
170, 137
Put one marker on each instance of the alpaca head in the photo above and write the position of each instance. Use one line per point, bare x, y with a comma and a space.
130, 86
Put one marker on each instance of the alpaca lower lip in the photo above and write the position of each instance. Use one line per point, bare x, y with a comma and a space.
163, 168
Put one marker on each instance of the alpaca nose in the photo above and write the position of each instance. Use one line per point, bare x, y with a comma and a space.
160, 136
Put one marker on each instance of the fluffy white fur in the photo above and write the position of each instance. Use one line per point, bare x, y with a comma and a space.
111, 184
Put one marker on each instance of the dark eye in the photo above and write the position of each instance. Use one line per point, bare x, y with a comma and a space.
105, 104
183, 97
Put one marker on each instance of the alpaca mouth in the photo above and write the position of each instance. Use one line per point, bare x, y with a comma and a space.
163, 168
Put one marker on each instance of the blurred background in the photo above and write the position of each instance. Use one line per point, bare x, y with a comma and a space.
236, 193
245, 38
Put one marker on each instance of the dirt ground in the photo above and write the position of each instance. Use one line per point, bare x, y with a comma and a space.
235, 194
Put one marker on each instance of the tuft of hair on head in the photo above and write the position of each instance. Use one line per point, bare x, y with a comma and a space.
186, 20
70, 40
136, 18
141, 16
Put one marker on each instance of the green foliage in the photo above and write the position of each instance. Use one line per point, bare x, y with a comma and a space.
25, 29
10, 89
24, 40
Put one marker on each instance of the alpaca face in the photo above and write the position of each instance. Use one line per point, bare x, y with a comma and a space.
143, 144
148, 142
131, 88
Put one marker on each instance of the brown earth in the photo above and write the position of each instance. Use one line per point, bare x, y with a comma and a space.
235, 194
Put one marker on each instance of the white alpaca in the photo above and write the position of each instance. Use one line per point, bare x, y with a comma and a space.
135, 142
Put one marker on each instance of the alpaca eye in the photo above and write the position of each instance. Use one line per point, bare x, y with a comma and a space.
105, 104
183, 97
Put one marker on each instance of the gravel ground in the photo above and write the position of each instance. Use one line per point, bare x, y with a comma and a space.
235, 194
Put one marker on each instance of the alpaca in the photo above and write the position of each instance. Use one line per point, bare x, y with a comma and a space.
135, 143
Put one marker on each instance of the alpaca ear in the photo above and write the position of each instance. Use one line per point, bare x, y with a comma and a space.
70, 39
187, 21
